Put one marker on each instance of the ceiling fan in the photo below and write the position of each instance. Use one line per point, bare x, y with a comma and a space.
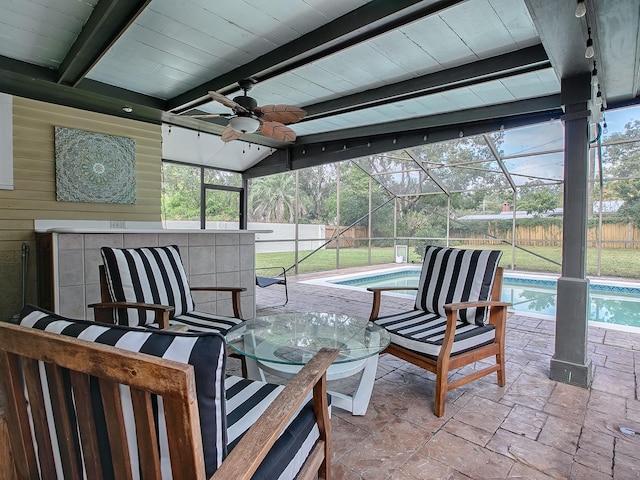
248, 117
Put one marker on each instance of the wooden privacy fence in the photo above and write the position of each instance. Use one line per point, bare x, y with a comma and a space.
347, 239
614, 235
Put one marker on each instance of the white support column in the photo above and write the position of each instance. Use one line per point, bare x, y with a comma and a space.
570, 363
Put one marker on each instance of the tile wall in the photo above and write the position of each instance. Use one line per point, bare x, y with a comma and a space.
210, 259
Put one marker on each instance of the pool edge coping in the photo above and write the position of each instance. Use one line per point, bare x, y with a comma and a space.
327, 282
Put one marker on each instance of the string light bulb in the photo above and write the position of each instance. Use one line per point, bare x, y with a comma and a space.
581, 9
605, 128
599, 98
589, 52
594, 75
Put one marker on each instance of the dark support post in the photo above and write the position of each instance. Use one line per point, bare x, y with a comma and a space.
570, 363
244, 203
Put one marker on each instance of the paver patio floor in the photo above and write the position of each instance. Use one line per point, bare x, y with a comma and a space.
533, 428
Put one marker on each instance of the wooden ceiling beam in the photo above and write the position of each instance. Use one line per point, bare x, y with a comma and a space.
106, 24
458, 117
375, 18
521, 61
39, 83
358, 142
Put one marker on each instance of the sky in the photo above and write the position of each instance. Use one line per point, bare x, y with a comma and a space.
550, 136
616, 119
534, 138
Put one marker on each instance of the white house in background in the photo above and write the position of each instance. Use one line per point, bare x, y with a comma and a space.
497, 216
608, 207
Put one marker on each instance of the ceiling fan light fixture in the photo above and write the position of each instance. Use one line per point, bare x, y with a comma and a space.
244, 124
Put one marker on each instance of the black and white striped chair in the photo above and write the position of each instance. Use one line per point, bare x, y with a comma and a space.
149, 287
64, 424
457, 319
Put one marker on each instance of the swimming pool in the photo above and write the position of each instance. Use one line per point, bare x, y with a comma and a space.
612, 304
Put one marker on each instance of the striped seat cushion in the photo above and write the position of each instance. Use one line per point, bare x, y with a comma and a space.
451, 275
204, 322
146, 275
423, 332
246, 401
205, 351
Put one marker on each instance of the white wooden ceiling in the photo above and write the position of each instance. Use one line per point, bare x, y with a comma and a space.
41, 32
366, 71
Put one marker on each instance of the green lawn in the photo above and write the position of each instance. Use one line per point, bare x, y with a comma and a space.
614, 262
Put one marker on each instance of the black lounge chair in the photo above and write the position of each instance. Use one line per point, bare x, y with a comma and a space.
263, 281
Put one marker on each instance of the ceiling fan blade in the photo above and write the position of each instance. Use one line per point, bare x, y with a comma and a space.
229, 134
277, 131
280, 113
208, 115
227, 102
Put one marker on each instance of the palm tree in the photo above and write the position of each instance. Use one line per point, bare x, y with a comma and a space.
273, 199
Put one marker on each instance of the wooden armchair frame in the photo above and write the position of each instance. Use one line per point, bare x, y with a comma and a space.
22, 348
447, 362
103, 311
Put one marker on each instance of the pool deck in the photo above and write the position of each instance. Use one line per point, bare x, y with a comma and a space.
533, 428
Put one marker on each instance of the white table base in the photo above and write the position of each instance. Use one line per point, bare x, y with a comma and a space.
356, 404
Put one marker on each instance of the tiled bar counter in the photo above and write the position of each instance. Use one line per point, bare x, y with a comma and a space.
68, 260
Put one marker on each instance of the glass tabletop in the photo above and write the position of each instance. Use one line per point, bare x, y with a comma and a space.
293, 338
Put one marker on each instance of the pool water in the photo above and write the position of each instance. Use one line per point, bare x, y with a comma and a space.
612, 304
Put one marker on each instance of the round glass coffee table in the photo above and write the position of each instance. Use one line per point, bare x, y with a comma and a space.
281, 344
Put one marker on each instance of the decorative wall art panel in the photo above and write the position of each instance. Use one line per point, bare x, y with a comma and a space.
94, 167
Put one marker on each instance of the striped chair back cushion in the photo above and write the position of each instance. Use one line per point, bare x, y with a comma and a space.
451, 275
146, 275
205, 351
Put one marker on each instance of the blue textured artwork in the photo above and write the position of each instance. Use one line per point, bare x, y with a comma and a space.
94, 167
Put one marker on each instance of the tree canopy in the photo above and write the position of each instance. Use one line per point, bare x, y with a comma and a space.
463, 174
621, 165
